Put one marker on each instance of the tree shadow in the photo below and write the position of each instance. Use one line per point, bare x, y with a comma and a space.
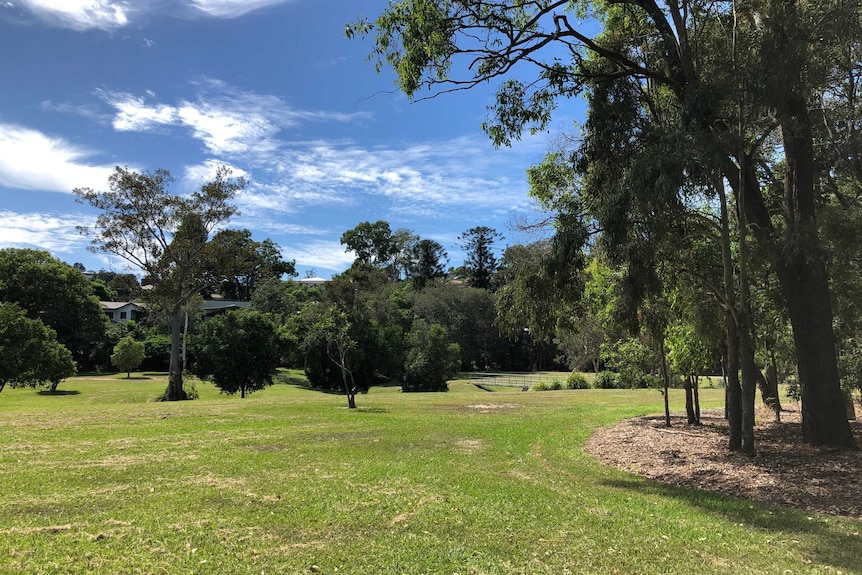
59, 392
830, 546
138, 378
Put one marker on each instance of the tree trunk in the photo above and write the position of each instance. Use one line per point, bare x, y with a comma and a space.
697, 399
774, 392
174, 391
666, 377
733, 391
689, 401
799, 263
805, 284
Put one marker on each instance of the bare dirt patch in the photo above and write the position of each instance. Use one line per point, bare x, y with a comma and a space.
783, 471
491, 406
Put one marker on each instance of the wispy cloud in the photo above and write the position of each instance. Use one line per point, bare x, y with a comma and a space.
329, 255
110, 15
440, 180
233, 8
32, 160
79, 14
226, 120
52, 232
195, 176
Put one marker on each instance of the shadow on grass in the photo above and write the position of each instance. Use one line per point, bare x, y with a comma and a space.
830, 546
361, 409
59, 392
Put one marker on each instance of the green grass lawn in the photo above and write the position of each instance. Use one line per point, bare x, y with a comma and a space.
101, 480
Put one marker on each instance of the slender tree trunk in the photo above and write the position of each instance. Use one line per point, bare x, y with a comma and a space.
733, 391
666, 377
774, 392
689, 401
697, 398
174, 391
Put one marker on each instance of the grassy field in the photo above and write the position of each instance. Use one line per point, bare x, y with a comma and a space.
100, 480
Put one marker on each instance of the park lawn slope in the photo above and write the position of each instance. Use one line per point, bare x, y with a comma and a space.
290, 481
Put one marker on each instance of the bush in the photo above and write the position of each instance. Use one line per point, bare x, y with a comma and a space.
794, 392
653, 382
553, 385
607, 380
577, 380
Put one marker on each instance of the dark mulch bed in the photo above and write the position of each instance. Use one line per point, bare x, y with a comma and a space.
784, 470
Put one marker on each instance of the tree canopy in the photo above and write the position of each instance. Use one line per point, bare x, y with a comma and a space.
31, 354
238, 351
55, 293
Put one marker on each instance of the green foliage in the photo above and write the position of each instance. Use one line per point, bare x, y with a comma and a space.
539, 287
30, 352
468, 314
247, 262
56, 294
128, 354
632, 360
554, 385
480, 261
431, 360
157, 351
238, 351
373, 243
427, 261
577, 380
606, 380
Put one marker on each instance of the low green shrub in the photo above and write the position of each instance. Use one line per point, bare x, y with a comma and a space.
541, 386
607, 380
555, 385
577, 380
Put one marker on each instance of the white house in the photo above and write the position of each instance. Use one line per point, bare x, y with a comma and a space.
122, 311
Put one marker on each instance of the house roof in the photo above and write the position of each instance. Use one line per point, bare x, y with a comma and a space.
114, 305
217, 304
313, 281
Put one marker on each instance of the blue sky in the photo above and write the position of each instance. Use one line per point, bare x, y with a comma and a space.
271, 88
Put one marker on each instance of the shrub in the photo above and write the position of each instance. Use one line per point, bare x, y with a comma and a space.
541, 386
794, 392
607, 380
555, 385
653, 382
577, 380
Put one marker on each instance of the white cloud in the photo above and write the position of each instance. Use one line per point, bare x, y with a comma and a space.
134, 115
31, 160
55, 233
417, 180
232, 8
329, 255
195, 176
227, 121
81, 14
111, 15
